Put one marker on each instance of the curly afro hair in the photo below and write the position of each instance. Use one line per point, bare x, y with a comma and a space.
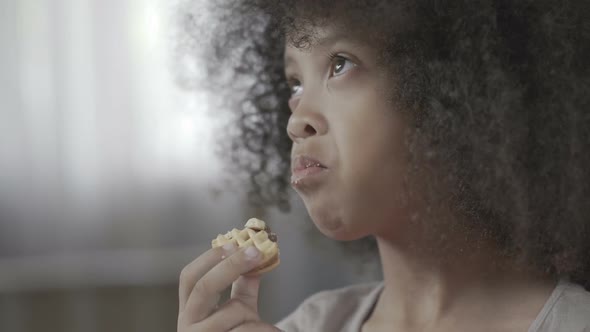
498, 92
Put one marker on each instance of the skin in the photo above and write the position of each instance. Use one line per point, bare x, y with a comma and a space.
341, 116
202, 282
362, 150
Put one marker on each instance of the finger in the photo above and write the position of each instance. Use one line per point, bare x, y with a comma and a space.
205, 294
255, 327
245, 289
233, 313
198, 268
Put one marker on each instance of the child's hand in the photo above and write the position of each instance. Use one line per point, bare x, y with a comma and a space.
203, 280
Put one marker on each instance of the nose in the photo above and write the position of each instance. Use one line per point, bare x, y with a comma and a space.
306, 121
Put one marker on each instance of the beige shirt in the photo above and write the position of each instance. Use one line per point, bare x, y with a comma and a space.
345, 310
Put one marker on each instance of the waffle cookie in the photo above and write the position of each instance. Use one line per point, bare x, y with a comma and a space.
255, 233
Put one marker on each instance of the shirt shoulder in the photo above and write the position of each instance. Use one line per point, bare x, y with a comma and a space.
333, 310
569, 310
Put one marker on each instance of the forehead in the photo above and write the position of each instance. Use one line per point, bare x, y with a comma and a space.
321, 39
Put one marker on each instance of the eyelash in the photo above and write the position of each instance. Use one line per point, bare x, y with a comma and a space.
333, 55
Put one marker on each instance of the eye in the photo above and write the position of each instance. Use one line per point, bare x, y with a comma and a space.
295, 87
340, 65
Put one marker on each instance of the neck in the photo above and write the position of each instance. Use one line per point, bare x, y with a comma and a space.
426, 287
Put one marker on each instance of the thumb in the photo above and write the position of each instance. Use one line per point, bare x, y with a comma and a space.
245, 289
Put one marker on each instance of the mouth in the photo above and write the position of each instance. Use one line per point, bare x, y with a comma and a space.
304, 168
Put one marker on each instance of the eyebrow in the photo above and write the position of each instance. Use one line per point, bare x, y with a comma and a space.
324, 42
289, 61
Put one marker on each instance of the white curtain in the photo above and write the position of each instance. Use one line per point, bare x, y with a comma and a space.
107, 170
95, 137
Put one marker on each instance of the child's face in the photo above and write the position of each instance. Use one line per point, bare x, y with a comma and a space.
341, 117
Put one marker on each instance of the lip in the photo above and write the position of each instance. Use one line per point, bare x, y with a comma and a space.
303, 162
304, 168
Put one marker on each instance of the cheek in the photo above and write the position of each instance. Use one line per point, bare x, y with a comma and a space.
373, 176
375, 192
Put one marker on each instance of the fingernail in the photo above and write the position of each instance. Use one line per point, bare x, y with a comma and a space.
251, 253
229, 247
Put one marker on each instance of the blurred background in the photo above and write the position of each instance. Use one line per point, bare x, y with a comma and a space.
109, 184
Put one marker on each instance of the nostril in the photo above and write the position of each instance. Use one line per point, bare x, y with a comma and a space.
310, 130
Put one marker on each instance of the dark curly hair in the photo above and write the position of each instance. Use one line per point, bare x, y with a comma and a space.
498, 92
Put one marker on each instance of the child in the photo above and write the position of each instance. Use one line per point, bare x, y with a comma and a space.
455, 134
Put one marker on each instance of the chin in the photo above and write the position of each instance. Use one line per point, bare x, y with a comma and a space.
333, 225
